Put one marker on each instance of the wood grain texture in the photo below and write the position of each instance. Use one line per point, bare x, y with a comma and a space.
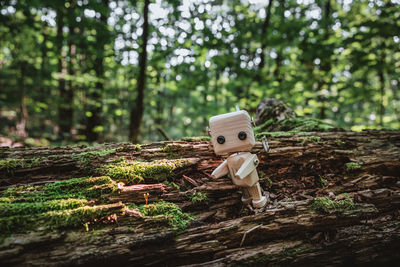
298, 169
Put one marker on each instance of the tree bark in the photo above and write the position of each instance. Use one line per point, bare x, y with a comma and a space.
264, 40
65, 105
298, 169
95, 109
136, 114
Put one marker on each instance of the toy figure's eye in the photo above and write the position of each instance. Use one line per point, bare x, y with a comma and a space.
242, 135
220, 139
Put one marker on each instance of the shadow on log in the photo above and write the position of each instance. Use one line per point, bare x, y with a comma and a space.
334, 199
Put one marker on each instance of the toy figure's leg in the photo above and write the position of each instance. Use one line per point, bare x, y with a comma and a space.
246, 197
259, 200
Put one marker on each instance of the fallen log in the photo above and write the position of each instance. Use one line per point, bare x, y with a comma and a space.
334, 199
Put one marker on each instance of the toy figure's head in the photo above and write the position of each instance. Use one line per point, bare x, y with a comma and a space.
231, 132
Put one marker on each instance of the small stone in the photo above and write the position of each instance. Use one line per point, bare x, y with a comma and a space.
331, 195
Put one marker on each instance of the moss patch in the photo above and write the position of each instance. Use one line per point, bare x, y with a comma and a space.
295, 125
83, 188
171, 150
352, 166
199, 197
168, 211
135, 172
57, 205
196, 138
327, 205
56, 219
9, 165
86, 157
311, 139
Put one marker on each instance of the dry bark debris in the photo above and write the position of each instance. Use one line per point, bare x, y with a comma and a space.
292, 229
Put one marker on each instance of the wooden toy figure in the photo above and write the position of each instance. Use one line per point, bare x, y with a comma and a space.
233, 133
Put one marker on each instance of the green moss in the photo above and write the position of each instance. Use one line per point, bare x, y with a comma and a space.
56, 205
10, 165
273, 134
264, 259
327, 205
322, 181
129, 148
311, 139
168, 211
86, 157
88, 187
171, 150
199, 197
295, 125
18, 208
136, 172
172, 184
339, 142
352, 166
196, 138
68, 218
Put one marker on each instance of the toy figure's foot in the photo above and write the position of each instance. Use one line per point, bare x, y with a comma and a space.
260, 203
246, 200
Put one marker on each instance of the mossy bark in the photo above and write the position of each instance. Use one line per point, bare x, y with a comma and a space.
321, 212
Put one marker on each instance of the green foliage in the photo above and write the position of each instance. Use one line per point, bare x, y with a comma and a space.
322, 181
352, 166
135, 172
326, 205
169, 211
338, 66
199, 197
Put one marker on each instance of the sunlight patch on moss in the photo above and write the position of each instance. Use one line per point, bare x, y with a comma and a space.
135, 172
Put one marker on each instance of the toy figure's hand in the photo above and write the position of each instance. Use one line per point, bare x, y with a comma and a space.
221, 170
248, 166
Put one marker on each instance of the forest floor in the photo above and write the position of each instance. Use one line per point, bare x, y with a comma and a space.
334, 199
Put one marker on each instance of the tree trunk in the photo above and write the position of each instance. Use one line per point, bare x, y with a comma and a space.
381, 110
96, 96
325, 61
292, 229
264, 40
136, 114
65, 108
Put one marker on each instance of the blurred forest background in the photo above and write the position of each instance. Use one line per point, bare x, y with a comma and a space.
108, 71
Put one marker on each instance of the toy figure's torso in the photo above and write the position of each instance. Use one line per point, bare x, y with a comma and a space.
235, 161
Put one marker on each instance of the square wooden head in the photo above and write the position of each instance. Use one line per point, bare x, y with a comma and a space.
231, 132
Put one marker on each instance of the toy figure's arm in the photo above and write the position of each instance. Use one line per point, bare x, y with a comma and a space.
221, 170
248, 166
